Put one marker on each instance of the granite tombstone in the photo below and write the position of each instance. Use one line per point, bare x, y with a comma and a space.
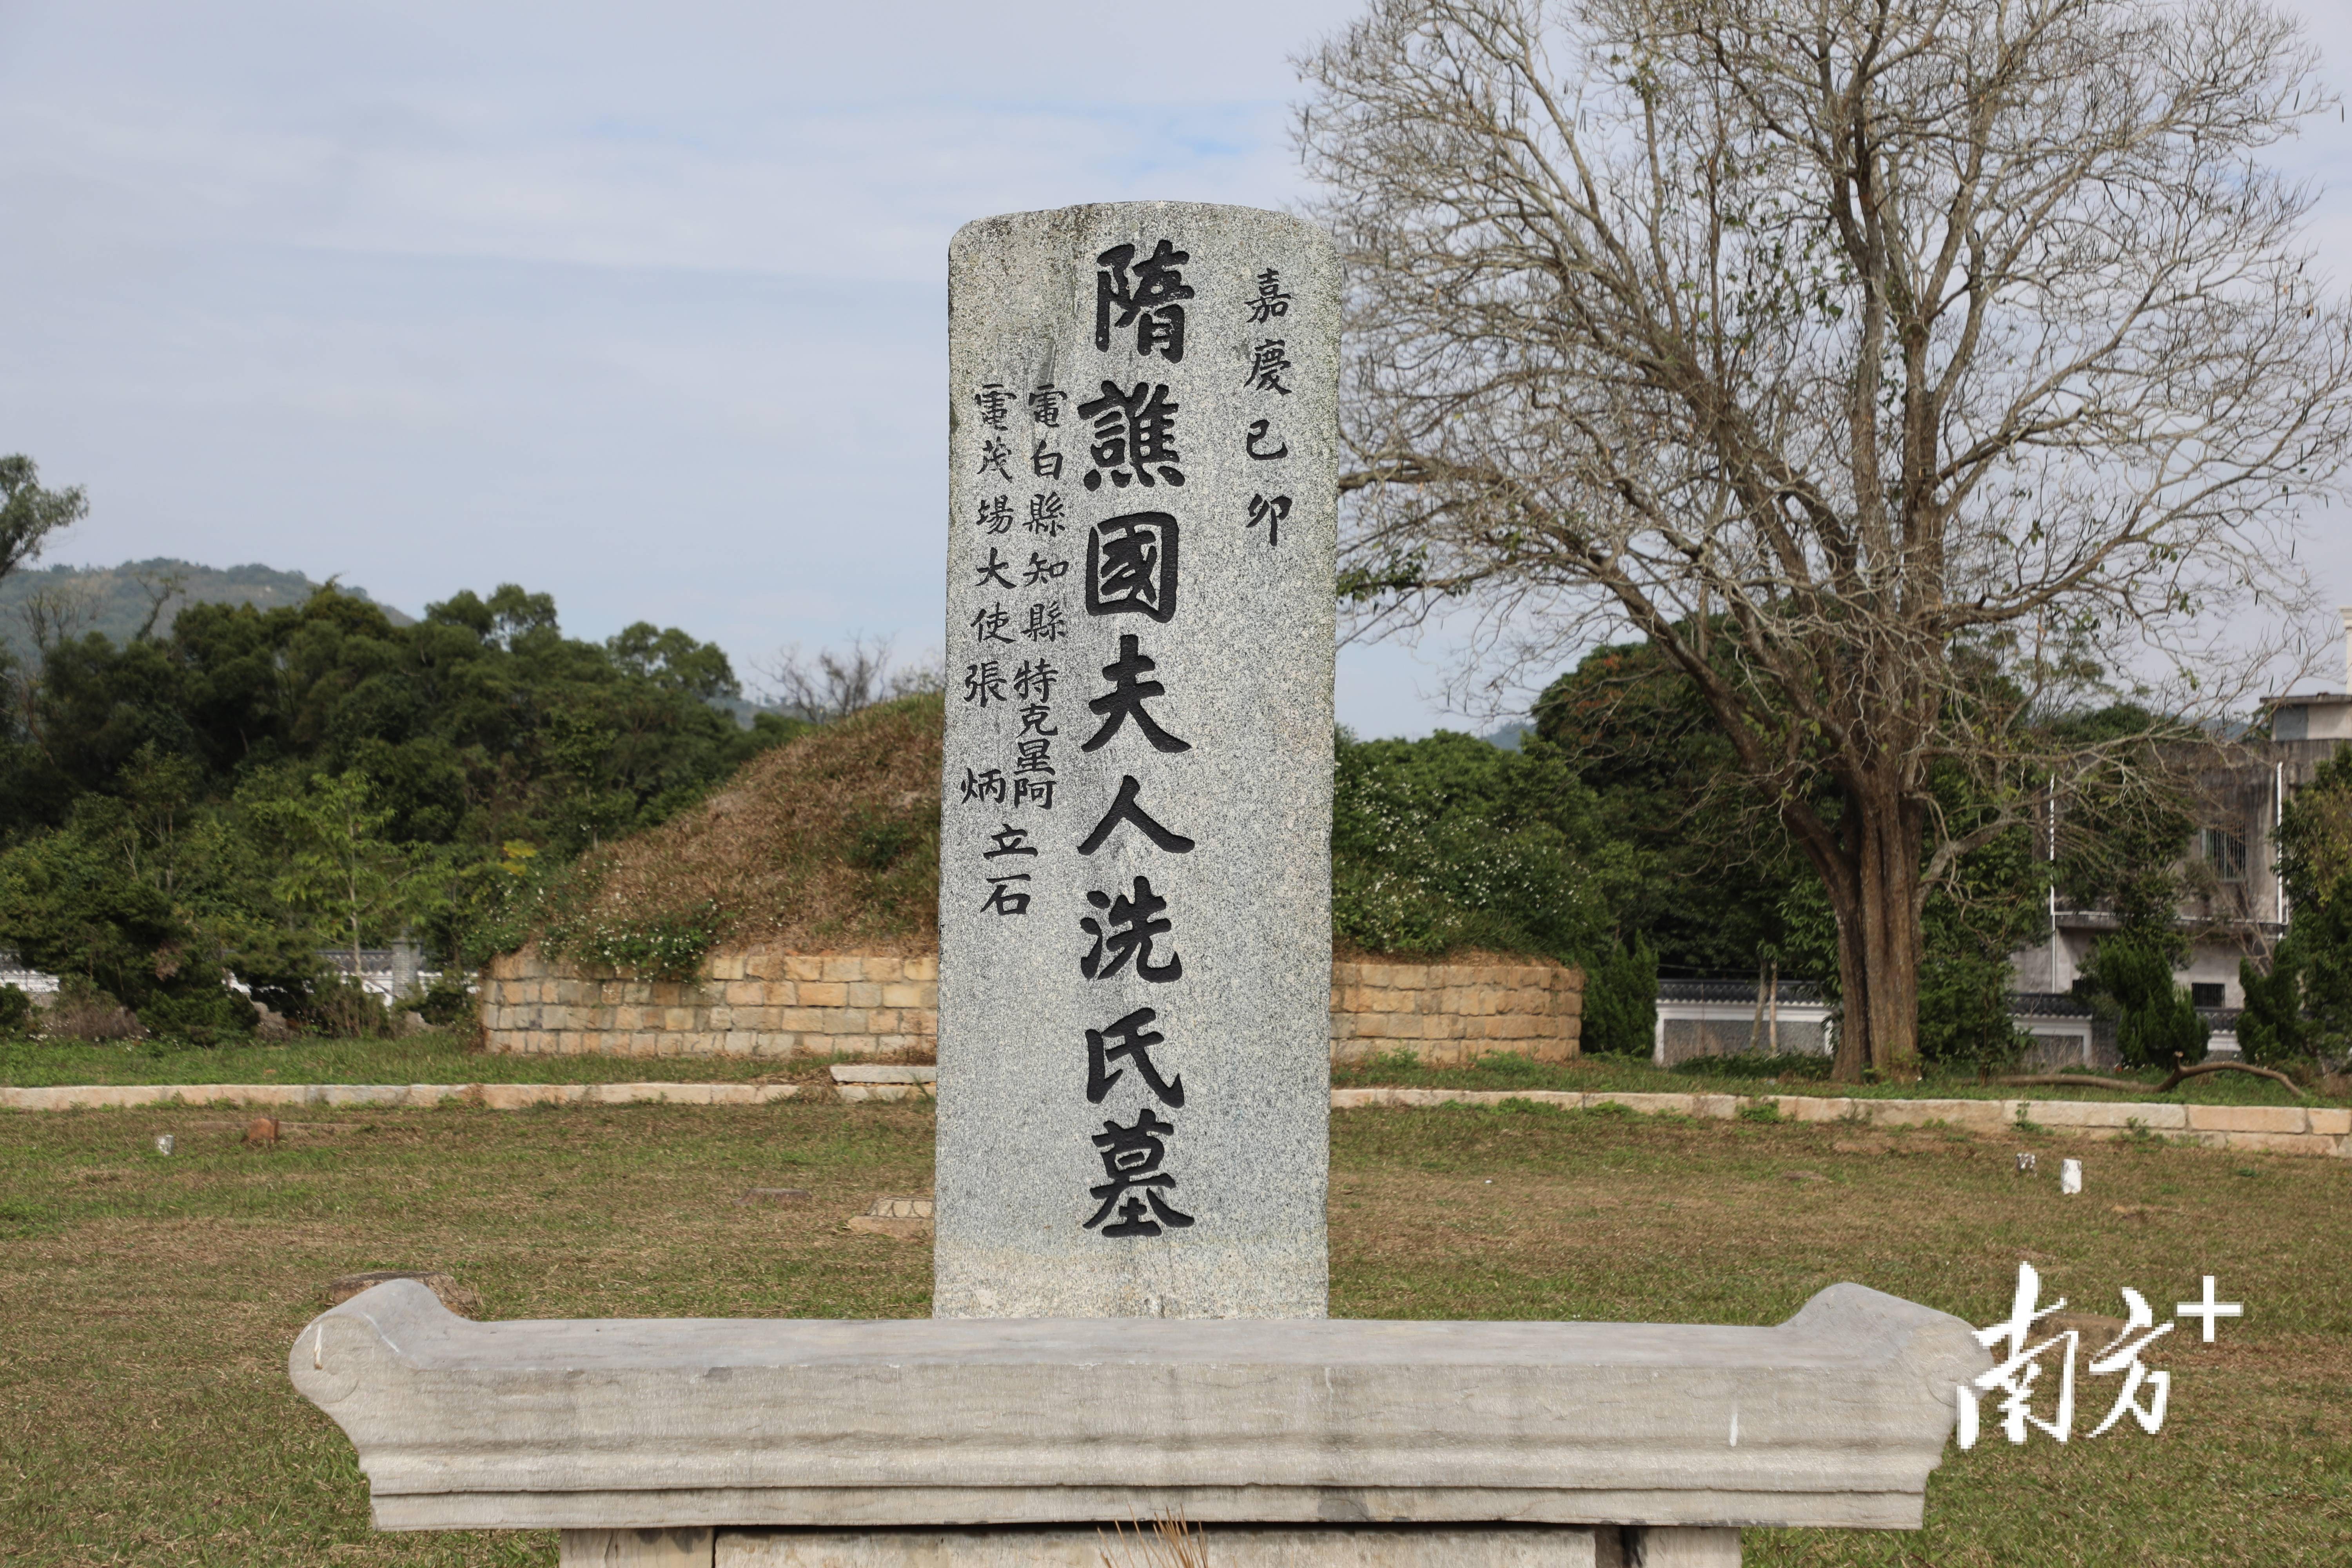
1134, 888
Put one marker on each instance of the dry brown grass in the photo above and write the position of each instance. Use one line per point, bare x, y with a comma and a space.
830, 842
146, 1303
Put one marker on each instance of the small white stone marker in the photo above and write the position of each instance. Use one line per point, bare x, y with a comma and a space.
1135, 914
2208, 1309
2070, 1178
163, 1143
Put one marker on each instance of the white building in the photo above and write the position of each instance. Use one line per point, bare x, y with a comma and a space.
2238, 906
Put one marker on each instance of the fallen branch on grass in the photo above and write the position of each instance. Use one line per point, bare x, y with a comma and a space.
2172, 1080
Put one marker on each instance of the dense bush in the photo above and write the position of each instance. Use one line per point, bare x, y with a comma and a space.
2156, 1025
1621, 1001
1452, 843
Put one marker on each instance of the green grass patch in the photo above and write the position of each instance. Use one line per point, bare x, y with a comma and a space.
416, 1059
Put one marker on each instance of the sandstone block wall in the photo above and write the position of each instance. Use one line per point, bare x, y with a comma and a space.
1450, 1013
753, 1004
765, 1004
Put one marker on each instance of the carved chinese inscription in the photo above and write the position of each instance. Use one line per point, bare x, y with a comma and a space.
1134, 905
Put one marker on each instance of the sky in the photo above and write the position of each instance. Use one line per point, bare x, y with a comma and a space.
643, 305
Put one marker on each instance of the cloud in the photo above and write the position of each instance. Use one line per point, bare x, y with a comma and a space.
641, 305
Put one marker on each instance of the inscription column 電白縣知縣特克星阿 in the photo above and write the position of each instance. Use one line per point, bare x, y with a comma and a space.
1135, 843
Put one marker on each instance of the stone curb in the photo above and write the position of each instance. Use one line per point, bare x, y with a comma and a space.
2268, 1129
490, 1096
2324, 1130
855, 1081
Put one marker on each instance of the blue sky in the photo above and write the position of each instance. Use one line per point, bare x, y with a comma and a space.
642, 306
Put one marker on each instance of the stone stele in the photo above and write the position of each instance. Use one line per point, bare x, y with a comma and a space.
1135, 844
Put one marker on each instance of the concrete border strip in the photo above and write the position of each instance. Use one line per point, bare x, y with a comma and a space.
2324, 1130
2262, 1128
489, 1096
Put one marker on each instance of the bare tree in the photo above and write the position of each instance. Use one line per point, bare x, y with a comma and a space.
834, 683
1903, 369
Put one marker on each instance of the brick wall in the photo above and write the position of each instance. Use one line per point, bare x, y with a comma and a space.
764, 1004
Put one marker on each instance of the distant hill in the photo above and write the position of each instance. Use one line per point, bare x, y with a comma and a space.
1510, 736
116, 600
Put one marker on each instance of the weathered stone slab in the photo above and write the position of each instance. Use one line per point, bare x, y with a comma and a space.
1142, 518
635, 1549
1227, 1546
1834, 1417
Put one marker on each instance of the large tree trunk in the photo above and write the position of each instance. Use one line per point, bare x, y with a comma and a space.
1871, 871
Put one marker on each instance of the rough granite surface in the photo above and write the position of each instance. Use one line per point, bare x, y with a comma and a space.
1204, 545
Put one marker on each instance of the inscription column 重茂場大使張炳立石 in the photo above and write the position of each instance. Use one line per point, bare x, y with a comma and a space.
1135, 841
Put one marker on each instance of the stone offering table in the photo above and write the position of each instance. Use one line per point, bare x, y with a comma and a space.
958, 1442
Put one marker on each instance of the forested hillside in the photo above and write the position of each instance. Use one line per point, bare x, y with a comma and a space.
45, 604
258, 783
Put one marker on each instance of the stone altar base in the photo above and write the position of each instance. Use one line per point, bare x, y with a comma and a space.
963, 1443
1227, 1546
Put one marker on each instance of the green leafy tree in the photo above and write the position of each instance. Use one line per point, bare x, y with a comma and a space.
479, 726
1711, 874
29, 514
144, 896
337, 865
2301, 1007
2325, 934
2314, 833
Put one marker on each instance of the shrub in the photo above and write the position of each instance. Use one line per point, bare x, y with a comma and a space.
345, 1008
2272, 1030
83, 1012
1756, 1064
16, 1010
661, 947
2157, 1025
1620, 1001
446, 1002
200, 1018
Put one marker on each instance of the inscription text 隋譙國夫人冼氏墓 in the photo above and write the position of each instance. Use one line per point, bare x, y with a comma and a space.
1131, 1106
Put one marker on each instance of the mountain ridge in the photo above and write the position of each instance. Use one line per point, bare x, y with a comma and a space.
119, 600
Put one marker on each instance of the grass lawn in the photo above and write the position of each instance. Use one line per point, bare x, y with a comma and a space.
418, 1059
146, 1303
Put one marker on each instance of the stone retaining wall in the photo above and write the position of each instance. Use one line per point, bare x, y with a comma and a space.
1451, 1013
764, 1004
753, 1004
